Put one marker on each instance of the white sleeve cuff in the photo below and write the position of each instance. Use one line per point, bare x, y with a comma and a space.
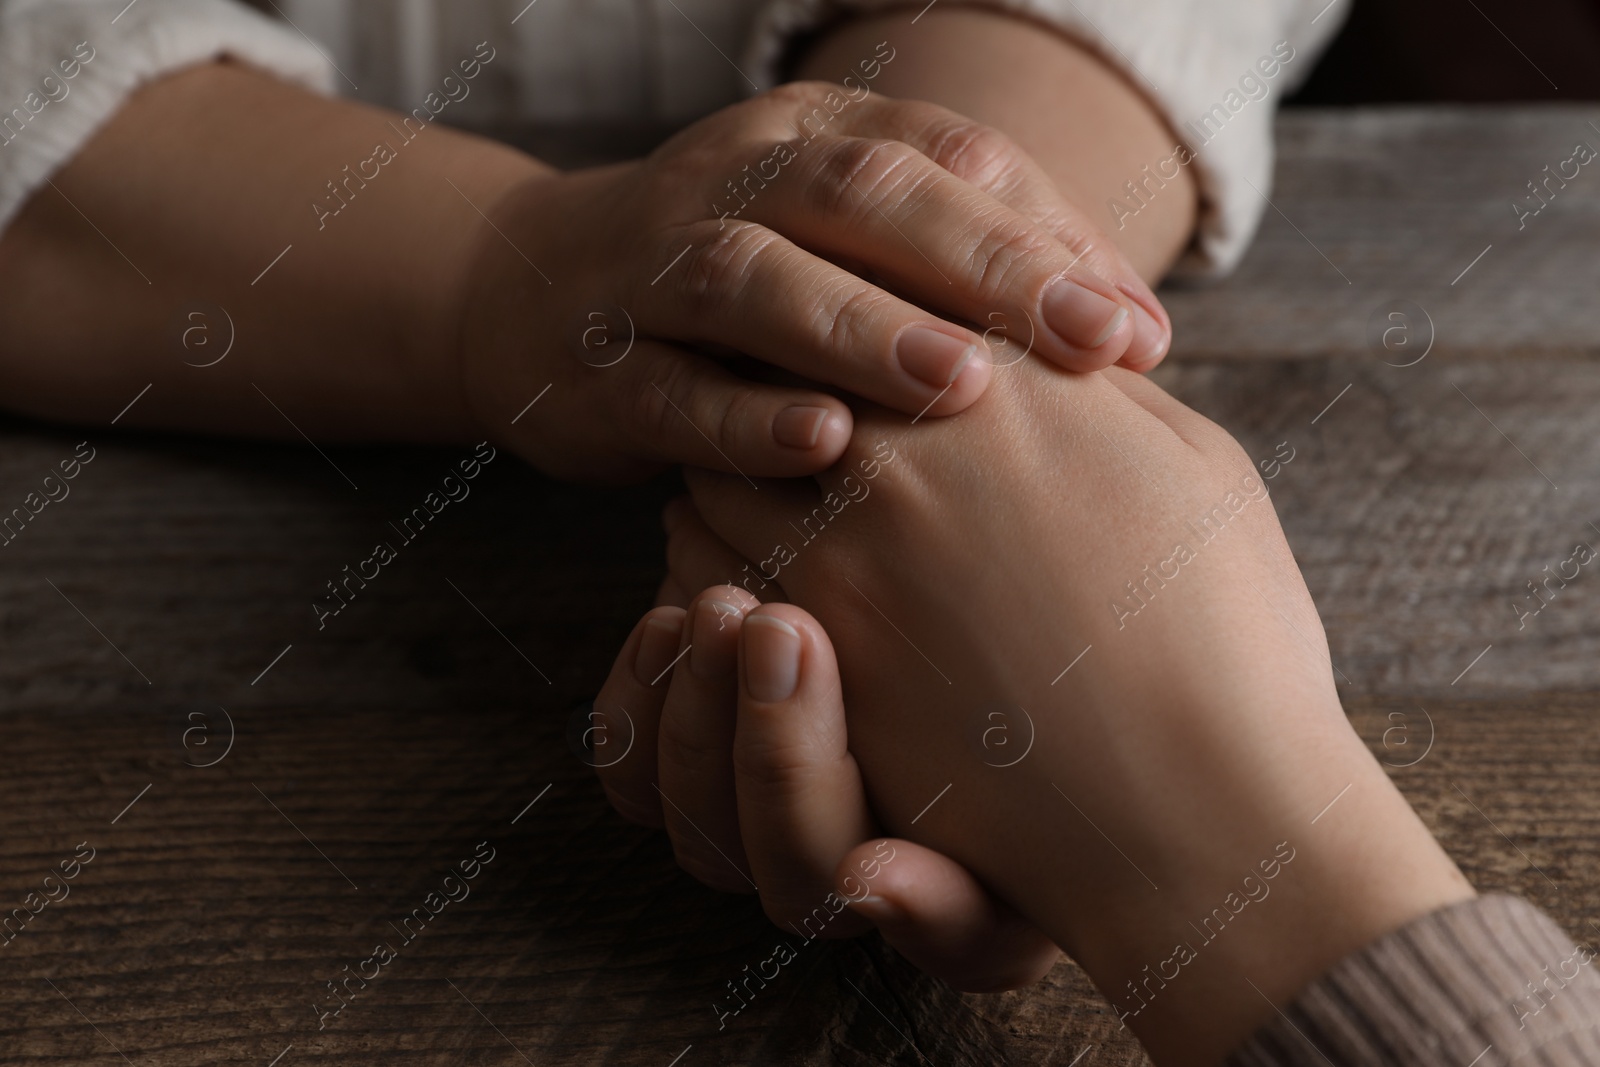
1203, 64
66, 66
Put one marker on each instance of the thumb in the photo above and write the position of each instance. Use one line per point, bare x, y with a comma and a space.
938, 916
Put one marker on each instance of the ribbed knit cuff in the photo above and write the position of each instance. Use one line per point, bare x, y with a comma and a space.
1482, 983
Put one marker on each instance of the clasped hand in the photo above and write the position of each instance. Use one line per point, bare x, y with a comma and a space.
1104, 565
893, 238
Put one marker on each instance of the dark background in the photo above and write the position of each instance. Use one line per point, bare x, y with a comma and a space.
1394, 51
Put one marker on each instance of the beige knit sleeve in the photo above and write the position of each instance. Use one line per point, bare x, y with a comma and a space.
1484, 983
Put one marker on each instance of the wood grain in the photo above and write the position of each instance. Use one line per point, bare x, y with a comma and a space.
378, 752
1372, 205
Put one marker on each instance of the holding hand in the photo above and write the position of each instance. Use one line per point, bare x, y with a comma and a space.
1102, 562
806, 230
740, 751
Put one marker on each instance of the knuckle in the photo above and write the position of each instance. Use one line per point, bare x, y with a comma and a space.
740, 409
719, 268
756, 763
681, 163
976, 153
689, 748
657, 404
1003, 256
799, 93
784, 770
847, 326
856, 172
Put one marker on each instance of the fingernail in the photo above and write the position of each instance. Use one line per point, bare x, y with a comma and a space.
772, 658
712, 655
657, 648
798, 427
1081, 317
1150, 338
875, 910
933, 356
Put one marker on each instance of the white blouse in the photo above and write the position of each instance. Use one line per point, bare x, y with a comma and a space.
1217, 69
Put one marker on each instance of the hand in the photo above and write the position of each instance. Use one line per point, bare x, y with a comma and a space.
757, 788
810, 245
1103, 565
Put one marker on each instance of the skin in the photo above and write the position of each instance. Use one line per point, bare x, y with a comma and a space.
407, 318
785, 778
885, 190
423, 312
1190, 749
1011, 74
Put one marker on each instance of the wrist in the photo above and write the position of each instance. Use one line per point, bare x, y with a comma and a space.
465, 250
533, 271
1285, 859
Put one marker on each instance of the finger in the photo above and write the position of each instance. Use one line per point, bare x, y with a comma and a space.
726, 504
679, 407
801, 802
948, 245
695, 743
670, 594
989, 160
942, 919
627, 714
744, 286
698, 558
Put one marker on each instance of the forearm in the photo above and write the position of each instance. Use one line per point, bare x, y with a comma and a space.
1089, 128
1280, 860
197, 185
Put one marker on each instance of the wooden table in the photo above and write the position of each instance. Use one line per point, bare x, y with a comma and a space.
162, 611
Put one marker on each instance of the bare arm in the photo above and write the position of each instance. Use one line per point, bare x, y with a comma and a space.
390, 283
189, 193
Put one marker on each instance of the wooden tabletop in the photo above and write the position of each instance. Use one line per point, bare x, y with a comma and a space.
265, 801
